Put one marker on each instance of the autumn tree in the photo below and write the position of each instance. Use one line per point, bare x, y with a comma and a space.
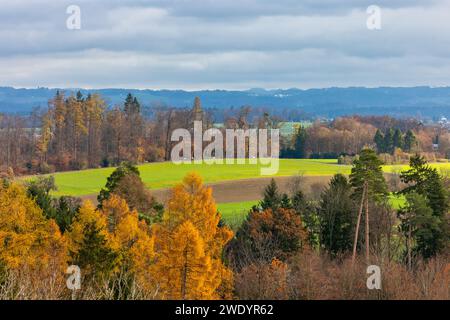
167, 119
344, 135
114, 141
131, 239
189, 245
273, 199
94, 111
111, 245
187, 275
43, 142
13, 141
76, 129
57, 111
70, 135
28, 241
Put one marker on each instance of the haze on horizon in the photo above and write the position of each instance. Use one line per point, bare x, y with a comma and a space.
204, 44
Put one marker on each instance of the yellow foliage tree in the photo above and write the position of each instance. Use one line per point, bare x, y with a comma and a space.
188, 271
131, 238
87, 214
189, 245
27, 239
125, 235
43, 142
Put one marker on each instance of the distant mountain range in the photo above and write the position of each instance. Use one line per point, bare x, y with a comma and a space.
423, 102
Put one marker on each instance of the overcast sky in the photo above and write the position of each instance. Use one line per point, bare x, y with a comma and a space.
224, 44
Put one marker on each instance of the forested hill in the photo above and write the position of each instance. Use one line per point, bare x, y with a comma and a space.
416, 101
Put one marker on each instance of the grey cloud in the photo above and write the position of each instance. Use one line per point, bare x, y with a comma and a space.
223, 43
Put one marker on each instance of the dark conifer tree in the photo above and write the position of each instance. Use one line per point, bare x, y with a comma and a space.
379, 141
272, 197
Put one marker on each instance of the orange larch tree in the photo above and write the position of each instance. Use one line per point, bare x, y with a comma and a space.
189, 245
29, 242
126, 243
131, 238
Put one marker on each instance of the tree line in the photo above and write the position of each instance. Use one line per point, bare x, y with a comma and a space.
78, 132
395, 139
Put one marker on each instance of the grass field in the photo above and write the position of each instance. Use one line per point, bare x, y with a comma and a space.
167, 174
443, 167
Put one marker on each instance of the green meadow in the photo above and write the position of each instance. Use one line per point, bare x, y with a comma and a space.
167, 174
443, 168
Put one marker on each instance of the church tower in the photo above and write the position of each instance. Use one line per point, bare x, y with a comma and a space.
197, 112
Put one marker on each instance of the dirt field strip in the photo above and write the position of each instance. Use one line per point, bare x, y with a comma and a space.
241, 190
